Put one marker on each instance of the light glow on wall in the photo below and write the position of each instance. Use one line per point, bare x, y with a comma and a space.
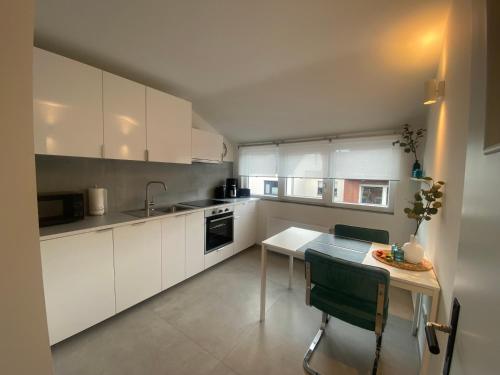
414, 42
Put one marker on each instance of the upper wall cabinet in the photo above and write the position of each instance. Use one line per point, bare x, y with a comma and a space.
169, 127
206, 146
124, 106
67, 106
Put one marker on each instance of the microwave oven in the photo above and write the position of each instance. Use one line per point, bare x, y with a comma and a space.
60, 208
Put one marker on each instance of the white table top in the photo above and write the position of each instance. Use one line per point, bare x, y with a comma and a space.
292, 239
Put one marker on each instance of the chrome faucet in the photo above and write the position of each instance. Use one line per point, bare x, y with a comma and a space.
148, 203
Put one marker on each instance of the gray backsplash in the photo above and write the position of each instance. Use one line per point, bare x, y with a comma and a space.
126, 180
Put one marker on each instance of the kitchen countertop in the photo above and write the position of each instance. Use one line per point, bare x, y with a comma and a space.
116, 219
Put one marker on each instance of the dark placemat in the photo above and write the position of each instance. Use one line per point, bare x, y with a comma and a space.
339, 247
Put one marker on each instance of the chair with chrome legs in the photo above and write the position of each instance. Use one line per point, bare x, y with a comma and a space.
360, 233
349, 291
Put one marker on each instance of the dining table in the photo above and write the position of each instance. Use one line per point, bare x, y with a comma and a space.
294, 241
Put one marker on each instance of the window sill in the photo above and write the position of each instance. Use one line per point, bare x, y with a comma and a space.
352, 207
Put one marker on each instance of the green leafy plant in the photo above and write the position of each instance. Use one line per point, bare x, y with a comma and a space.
410, 140
427, 202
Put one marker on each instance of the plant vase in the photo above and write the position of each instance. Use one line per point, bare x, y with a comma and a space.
414, 252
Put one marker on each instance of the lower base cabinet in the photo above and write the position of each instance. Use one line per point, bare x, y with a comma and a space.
78, 280
245, 225
137, 262
173, 243
90, 277
217, 256
195, 243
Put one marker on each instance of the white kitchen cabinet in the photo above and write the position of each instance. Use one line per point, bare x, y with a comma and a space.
195, 243
173, 250
226, 252
206, 146
67, 106
124, 108
211, 259
168, 127
245, 225
137, 262
78, 280
217, 256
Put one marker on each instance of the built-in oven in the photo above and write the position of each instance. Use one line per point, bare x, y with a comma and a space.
219, 228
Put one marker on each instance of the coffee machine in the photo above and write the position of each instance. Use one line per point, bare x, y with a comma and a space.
232, 188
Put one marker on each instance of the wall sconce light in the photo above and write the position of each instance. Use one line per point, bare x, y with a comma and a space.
434, 91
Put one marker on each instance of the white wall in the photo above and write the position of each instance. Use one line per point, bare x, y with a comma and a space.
444, 157
24, 343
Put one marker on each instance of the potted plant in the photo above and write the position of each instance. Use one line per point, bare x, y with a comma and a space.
409, 141
427, 202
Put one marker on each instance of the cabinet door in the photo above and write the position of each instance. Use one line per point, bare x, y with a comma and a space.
239, 227
78, 280
137, 262
226, 252
168, 127
251, 224
124, 106
67, 106
173, 251
211, 259
195, 243
206, 146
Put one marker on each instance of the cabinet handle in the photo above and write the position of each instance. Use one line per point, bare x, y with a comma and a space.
102, 151
146, 154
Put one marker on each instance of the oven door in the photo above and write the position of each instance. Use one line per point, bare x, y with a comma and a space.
218, 231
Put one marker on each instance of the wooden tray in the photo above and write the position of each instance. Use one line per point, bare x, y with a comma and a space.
381, 256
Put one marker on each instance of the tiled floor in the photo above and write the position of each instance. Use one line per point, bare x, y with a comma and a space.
209, 325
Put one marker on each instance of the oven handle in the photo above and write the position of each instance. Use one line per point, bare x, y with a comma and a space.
221, 218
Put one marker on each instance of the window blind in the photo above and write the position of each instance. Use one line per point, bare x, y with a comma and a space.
259, 161
373, 158
306, 160
368, 158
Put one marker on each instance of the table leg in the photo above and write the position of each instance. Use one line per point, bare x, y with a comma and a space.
416, 314
431, 318
263, 272
290, 272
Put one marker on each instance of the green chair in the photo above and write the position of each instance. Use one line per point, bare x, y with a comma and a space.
352, 292
360, 233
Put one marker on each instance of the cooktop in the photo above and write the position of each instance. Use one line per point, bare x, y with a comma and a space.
203, 203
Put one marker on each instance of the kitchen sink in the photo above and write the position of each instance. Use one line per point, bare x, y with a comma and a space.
172, 209
158, 211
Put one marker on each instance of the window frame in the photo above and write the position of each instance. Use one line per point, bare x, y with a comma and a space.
304, 198
327, 199
245, 183
391, 195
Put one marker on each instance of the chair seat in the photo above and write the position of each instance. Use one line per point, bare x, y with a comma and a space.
351, 310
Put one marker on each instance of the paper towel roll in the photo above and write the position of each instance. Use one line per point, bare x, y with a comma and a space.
97, 201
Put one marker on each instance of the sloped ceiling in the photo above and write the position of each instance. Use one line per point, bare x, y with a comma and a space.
263, 69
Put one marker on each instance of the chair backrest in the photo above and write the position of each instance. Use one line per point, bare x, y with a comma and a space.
360, 233
349, 282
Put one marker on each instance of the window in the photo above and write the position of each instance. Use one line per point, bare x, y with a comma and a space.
348, 172
263, 185
270, 187
361, 192
373, 194
304, 187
